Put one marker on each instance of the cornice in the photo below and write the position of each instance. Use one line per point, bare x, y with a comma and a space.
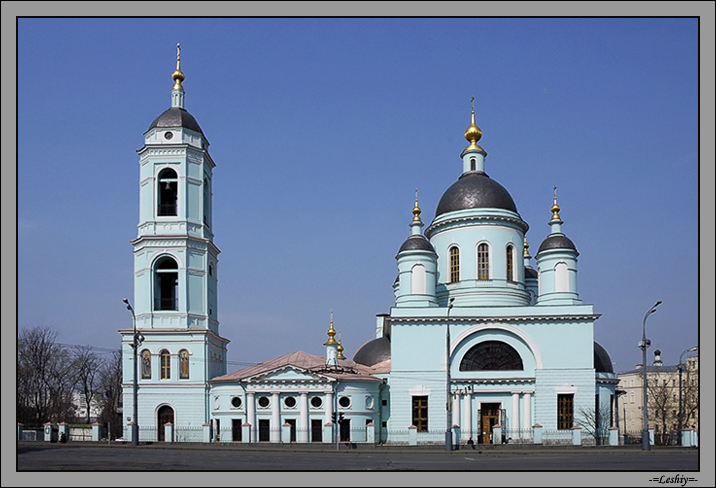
502, 319
466, 220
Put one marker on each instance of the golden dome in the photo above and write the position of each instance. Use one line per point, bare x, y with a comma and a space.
340, 350
416, 209
178, 76
527, 246
473, 132
555, 208
331, 333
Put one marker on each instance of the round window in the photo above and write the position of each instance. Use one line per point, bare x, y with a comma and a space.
316, 402
236, 402
168, 135
290, 402
344, 401
369, 402
263, 402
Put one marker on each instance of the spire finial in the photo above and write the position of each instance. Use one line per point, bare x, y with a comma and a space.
331, 333
555, 208
526, 246
340, 347
178, 76
473, 132
416, 209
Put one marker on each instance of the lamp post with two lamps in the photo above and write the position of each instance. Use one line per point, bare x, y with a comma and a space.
137, 340
644, 345
681, 403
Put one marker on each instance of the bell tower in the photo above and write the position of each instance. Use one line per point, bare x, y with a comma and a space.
175, 270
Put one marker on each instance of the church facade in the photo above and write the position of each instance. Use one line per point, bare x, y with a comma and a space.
477, 340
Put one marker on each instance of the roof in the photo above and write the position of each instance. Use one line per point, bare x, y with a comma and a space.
176, 117
602, 361
416, 243
305, 361
475, 190
374, 352
557, 241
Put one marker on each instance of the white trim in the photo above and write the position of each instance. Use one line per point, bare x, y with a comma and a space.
503, 327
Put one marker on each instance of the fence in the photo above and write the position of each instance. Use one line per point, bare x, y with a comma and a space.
517, 436
556, 437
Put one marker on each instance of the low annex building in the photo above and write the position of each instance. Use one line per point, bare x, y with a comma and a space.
477, 339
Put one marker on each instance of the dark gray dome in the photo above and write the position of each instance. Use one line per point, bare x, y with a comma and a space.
374, 352
557, 241
176, 117
602, 361
416, 243
475, 190
531, 273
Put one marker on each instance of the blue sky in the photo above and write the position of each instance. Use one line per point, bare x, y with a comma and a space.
321, 130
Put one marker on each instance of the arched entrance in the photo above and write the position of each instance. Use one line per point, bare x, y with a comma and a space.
164, 414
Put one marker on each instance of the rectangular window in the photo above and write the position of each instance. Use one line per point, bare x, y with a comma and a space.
565, 411
420, 413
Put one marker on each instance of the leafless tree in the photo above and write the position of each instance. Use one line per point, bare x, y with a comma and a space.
110, 379
86, 376
663, 406
595, 421
44, 382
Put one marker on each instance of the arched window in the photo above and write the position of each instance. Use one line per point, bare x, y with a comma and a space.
184, 364
473, 167
417, 280
146, 365
561, 277
454, 264
510, 263
165, 364
166, 292
167, 193
483, 262
491, 356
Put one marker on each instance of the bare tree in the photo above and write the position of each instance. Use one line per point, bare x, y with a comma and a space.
595, 421
110, 379
44, 385
663, 405
86, 376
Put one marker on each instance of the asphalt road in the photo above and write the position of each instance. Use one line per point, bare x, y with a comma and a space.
54, 457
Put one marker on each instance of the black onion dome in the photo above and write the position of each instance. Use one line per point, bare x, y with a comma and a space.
176, 117
475, 190
531, 273
374, 352
557, 241
602, 361
416, 243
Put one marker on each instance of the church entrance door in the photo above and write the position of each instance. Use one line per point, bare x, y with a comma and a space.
164, 415
264, 430
489, 417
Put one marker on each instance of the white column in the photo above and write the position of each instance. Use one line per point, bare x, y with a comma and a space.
466, 425
303, 427
527, 412
328, 407
251, 415
515, 424
456, 410
275, 418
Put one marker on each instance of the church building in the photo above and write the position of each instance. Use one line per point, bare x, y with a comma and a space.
478, 340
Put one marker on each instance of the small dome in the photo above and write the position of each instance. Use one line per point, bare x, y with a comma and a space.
557, 241
374, 352
475, 190
530, 273
176, 117
602, 361
416, 243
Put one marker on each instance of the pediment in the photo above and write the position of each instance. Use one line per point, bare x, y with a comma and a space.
288, 373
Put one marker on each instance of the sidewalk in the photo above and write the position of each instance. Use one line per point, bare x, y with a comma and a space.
517, 449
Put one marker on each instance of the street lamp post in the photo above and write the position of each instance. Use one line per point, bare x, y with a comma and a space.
448, 432
681, 404
644, 345
136, 341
